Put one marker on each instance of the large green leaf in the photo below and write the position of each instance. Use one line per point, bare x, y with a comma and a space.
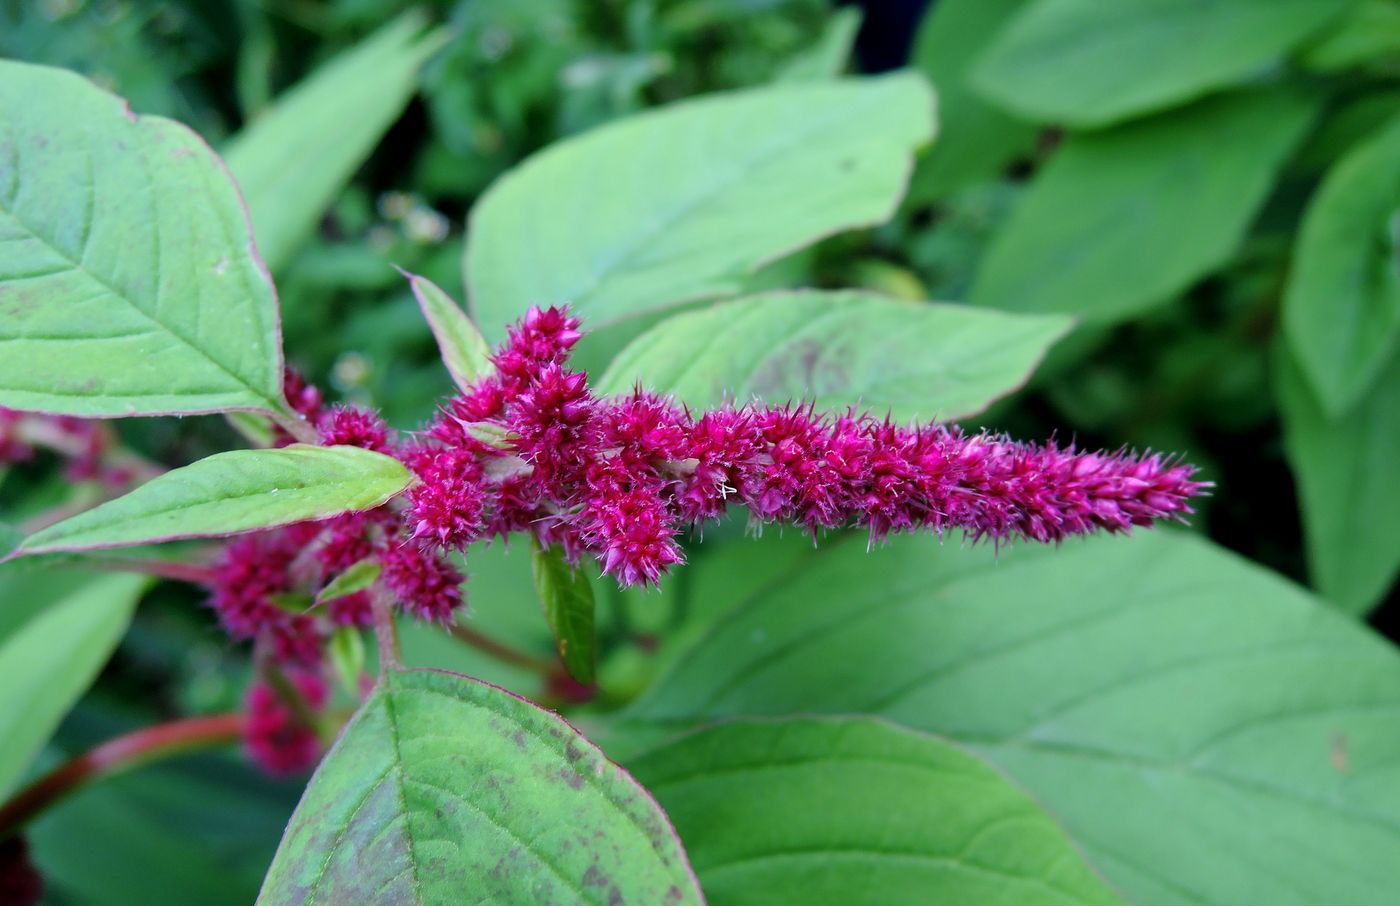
982, 140
681, 203
232, 492
1342, 310
443, 789
838, 349
1089, 63
293, 159
129, 283
1345, 471
49, 660
1119, 221
855, 810
1206, 731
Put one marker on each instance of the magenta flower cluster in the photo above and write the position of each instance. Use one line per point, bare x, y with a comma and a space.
529, 448
82, 445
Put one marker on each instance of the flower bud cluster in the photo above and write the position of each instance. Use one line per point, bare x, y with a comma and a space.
82, 444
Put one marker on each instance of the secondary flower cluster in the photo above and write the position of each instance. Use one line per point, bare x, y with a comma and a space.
529, 448
83, 445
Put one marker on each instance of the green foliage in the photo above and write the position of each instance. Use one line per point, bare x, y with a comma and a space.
1122, 220
1342, 311
229, 493
294, 159
741, 794
1052, 62
442, 784
567, 596
1165, 700
50, 658
828, 58
953, 36
682, 203
839, 349
141, 293
1345, 471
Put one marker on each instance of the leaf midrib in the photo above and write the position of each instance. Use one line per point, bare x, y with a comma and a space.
80, 267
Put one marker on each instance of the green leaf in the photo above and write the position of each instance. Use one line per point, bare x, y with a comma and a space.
1087, 63
1341, 312
1120, 221
1206, 731
464, 350
293, 160
984, 140
49, 660
358, 577
1369, 32
915, 360
129, 284
1345, 472
850, 811
149, 836
681, 203
443, 787
232, 492
347, 654
10, 539
827, 59
567, 596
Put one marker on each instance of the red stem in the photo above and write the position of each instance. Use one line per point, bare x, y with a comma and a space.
114, 756
194, 573
500, 652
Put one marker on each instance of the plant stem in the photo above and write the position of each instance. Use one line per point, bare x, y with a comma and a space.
113, 757
386, 633
499, 651
194, 573
297, 426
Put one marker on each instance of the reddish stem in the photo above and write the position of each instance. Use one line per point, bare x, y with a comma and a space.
114, 756
194, 573
500, 652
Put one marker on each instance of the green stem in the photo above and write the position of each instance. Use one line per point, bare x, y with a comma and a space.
115, 756
386, 632
298, 427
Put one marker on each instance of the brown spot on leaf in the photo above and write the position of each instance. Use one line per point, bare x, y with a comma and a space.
806, 368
